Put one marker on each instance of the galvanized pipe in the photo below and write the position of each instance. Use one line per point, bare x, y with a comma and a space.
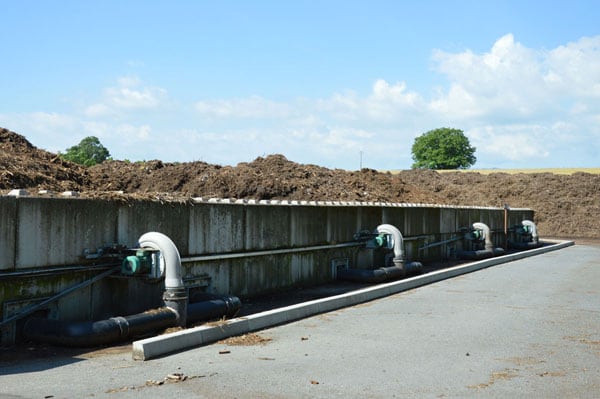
237, 255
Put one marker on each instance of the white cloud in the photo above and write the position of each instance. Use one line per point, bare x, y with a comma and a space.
129, 81
506, 82
519, 106
574, 69
48, 130
95, 128
254, 107
97, 110
128, 95
513, 143
125, 97
45, 122
133, 133
386, 103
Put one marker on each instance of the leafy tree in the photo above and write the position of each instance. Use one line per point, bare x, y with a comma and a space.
443, 148
88, 152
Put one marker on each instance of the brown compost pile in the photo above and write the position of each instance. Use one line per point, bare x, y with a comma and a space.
564, 205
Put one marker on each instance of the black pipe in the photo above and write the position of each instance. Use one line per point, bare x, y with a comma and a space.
116, 329
524, 245
381, 274
213, 308
480, 254
95, 333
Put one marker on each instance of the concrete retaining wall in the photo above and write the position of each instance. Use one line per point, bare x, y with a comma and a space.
292, 244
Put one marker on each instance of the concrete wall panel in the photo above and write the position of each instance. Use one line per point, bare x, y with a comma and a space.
216, 229
70, 306
218, 272
342, 224
302, 268
8, 229
464, 218
395, 216
308, 225
267, 227
368, 218
250, 276
54, 231
171, 219
448, 220
476, 215
422, 221
515, 217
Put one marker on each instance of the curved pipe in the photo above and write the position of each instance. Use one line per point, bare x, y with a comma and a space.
486, 234
535, 240
170, 262
398, 240
489, 250
115, 329
399, 270
175, 296
533, 229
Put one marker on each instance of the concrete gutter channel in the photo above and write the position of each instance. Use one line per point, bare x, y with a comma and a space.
158, 346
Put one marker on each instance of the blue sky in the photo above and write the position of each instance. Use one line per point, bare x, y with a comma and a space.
320, 82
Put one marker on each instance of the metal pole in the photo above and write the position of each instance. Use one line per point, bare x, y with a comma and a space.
32, 308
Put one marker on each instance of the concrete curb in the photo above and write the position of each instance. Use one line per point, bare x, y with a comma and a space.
154, 347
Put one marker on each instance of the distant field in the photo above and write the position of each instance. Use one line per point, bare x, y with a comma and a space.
556, 171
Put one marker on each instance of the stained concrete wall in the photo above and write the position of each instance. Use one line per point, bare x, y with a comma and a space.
292, 244
55, 231
217, 229
8, 228
168, 218
46, 232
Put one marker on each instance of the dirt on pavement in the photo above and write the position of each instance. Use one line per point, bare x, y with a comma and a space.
564, 205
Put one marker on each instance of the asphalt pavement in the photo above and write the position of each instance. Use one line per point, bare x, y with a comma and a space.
524, 329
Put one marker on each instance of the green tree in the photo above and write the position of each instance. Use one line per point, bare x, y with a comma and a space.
88, 152
443, 148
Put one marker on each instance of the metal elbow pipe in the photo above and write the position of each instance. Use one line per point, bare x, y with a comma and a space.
398, 240
175, 296
170, 261
533, 229
486, 234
